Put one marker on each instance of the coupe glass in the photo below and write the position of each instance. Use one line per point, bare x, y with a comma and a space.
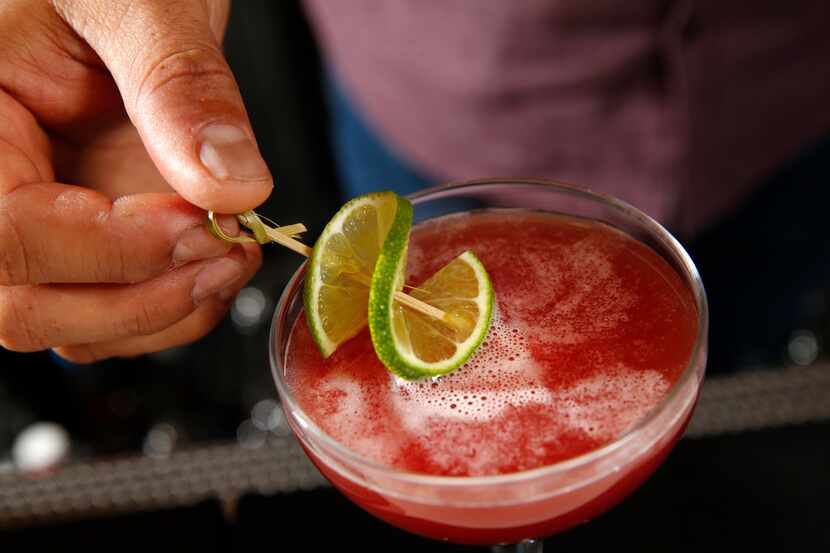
515, 509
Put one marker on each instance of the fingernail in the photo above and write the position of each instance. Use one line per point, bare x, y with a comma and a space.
215, 278
228, 153
197, 243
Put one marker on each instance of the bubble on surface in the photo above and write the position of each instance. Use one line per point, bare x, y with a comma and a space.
501, 374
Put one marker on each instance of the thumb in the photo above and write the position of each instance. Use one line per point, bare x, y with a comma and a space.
180, 94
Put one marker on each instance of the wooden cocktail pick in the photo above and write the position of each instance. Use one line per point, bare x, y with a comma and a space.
286, 236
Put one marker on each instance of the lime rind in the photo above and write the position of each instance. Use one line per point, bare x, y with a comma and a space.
388, 277
485, 302
335, 227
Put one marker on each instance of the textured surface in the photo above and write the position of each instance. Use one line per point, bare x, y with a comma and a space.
729, 405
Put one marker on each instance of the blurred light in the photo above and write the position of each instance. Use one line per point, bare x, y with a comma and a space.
160, 441
278, 423
803, 347
267, 416
249, 436
261, 414
40, 446
249, 309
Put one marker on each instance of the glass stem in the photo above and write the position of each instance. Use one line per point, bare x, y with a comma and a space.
527, 546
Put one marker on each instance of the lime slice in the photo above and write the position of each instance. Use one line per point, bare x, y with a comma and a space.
413, 345
342, 263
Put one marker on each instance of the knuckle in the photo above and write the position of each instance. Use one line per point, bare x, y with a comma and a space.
183, 67
117, 260
16, 329
144, 320
14, 265
112, 265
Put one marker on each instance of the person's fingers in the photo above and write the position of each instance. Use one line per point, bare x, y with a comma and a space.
24, 147
180, 94
188, 330
54, 233
33, 318
193, 327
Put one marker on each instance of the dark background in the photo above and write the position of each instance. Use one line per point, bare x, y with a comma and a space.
766, 270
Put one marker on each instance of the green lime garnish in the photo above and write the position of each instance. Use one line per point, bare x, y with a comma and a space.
358, 267
342, 262
413, 345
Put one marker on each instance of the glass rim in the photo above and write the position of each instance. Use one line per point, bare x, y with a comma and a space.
655, 228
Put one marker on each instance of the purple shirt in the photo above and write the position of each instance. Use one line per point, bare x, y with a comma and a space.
678, 108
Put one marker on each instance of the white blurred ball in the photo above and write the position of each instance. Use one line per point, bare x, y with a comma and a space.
40, 446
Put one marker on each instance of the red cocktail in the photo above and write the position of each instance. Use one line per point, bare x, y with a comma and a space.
587, 378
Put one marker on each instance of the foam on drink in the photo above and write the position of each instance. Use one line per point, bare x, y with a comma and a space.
591, 329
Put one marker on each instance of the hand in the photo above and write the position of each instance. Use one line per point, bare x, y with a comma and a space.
104, 106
